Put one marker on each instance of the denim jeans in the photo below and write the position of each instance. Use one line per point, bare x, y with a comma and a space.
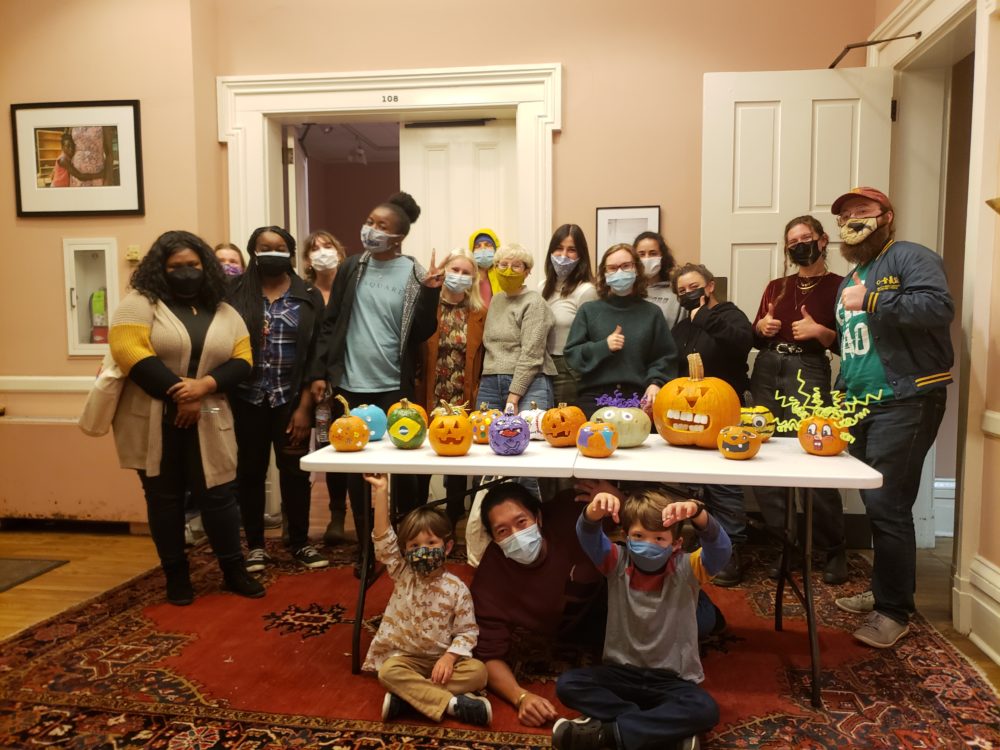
894, 439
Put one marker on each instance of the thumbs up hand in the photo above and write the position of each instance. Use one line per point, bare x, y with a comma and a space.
806, 328
769, 325
853, 296
616, 340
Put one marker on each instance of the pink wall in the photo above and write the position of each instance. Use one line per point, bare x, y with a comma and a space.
341, 195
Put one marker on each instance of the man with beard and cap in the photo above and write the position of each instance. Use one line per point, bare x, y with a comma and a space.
893, 316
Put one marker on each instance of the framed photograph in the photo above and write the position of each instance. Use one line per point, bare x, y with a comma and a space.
623, 224
77, 158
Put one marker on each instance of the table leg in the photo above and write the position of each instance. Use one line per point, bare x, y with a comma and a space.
364, 539
787, 549
807, 501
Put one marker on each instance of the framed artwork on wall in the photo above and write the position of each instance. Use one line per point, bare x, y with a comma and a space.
77, 158
623, 224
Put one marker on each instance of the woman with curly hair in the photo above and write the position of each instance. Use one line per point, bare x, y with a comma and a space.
182, 347
657, 264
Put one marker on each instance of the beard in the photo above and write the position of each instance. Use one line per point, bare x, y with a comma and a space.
863, 253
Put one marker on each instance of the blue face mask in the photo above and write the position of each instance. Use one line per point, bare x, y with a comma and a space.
562, 265
457, 282
648, 557
621, 282
524, 546
484, 256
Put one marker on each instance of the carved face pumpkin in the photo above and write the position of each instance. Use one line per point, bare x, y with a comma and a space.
509, 434
533, 417
481, 421
450, 432
759, 419
597, 439
374, 417
560, 424
739, 442
631, 423
821, 436
407, 426
348, 433
692, 410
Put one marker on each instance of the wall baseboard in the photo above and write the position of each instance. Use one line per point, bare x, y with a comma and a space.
991, 423
984, 590
45, 383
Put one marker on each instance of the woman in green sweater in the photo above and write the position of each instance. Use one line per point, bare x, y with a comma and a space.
620, 341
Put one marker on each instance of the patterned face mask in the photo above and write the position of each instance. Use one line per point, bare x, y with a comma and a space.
856, 230
425, 560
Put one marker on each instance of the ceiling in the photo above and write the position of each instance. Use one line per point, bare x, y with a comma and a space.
339, 142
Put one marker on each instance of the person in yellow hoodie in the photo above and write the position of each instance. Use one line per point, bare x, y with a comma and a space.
484, 243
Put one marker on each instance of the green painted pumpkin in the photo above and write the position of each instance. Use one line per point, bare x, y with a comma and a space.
407, 426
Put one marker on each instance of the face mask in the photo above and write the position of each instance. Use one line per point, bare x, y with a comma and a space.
621, 282
804, 253
523, 547
185, 281
425, 560
231, 269
691, 300
484, 256
274, 263
649, 557
375, 240
325, 259
857, 230
651, 266
457, 282
563, 265
510, 280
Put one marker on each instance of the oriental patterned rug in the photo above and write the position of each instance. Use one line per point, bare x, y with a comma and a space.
129, 671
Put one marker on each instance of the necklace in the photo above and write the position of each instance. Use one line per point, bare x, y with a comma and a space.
194, 310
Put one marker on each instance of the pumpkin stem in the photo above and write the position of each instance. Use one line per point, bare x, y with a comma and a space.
448, 408
534, 405
696, 370
347, 406
484, 406
562, 405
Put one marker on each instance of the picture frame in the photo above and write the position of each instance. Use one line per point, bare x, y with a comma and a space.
78, 158
623, 224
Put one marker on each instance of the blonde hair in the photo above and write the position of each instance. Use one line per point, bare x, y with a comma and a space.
473, 295
514, 252
424, 518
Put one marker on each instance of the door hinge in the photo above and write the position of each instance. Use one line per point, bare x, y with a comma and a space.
894, 110
289, 156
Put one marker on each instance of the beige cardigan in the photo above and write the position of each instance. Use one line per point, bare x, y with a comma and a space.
140, 329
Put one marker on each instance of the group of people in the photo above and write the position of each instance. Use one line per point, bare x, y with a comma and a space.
225, 363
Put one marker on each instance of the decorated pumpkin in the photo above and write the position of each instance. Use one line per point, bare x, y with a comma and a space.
597, 439
560, 424
481, 420
509, 434
821, 436
692, 410
409, 405
739, 442
349, 432
407, 425
759, 419
626, 415
374, 417
533, 417
450, 432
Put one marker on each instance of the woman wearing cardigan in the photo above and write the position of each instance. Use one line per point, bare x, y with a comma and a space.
182, 348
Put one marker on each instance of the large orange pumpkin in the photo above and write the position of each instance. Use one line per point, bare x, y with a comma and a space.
481, 420
450, 432
560, 424
739, 442
597, 439
692, 410
349, 432
821, 436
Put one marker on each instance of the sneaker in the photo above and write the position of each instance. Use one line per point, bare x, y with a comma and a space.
272, 521
308, 557
859, 604
835, 570
256, 560
732, 574
473, 709
880, 631
585, 733
392, 706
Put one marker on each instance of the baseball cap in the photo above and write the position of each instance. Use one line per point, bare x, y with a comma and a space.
864, 192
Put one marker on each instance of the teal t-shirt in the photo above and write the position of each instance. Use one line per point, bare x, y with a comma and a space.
860, 365
372, 360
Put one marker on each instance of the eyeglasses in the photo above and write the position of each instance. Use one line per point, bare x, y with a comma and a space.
517, 266
857, 213
628, 266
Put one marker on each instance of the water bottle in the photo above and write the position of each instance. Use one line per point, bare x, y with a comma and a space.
323, 415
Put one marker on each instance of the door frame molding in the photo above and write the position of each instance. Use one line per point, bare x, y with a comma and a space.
252, 109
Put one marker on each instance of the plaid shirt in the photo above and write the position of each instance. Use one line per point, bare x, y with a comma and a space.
272, 383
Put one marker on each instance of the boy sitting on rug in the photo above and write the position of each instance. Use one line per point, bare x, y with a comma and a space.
423, 648
646, 693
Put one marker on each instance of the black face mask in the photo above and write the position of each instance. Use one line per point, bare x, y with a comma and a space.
274, 265
185, 281
804, 253
691, 300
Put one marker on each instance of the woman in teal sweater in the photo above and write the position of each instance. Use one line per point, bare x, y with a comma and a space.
620, 341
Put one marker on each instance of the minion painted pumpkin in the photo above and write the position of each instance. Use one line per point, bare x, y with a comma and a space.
759, 419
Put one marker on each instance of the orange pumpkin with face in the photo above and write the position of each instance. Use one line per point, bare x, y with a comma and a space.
450, 432
481, 420
560, 425
692, 410
738, 442
348, 433
821, 436
597, 439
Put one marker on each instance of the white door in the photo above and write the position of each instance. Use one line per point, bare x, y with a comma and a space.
463, 178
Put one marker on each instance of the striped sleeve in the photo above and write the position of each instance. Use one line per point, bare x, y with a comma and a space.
129, 337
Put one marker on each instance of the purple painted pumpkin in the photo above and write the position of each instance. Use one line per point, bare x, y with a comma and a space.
509, 434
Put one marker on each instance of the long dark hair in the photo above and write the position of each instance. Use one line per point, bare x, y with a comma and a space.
813, 223
150, 277
580, 274
246, 292
668, 262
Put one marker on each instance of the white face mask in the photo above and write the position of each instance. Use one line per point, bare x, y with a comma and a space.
523, 547
375, 240
324, 259
651, 266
